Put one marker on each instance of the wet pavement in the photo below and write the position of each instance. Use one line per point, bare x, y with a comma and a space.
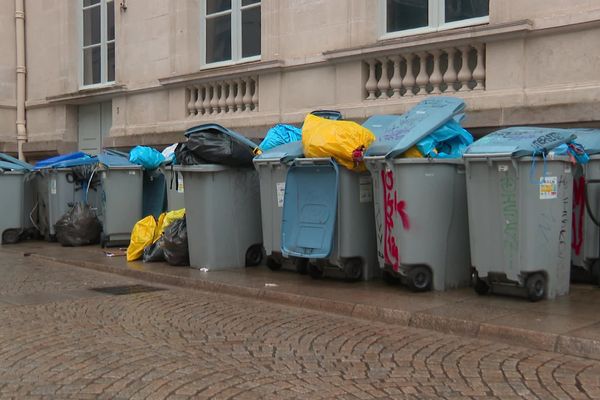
59, 339
568, 325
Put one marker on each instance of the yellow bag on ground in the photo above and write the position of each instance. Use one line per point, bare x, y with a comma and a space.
345, 141
142, 235
167, 219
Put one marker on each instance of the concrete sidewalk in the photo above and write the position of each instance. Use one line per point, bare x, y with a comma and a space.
568, 325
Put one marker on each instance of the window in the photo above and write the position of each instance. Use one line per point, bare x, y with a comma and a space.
231, 31
98, 42
404, 17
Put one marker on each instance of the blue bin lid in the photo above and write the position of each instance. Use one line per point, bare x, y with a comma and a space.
519, 142
406, 130
589, 138
13, 163
310, 209
52, 162
284, 152
112, 159
221, 129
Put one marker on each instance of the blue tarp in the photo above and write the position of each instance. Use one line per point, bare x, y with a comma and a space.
280, 134
66, 160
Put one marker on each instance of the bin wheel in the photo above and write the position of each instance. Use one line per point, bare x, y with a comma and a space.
315, 271
480, 286
419, 278
301, 265
273, 264
254, 255
389, 278
353, 269
536, 287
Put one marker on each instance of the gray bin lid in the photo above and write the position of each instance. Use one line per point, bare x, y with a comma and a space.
283, 153
519, 142
408, 129
15, 164
589, 138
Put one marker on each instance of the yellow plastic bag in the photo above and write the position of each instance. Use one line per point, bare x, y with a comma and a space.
142, 235
413, 152
167, 219
345, 141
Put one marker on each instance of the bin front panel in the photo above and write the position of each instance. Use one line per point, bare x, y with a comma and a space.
175, 190
272, 177
223, 216
12, 191
121, 202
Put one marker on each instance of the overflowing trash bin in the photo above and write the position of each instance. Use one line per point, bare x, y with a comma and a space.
327, 216
520, 211
15, 196
585, 247
272, 166
61, 182
120, 205
222, 199
420, 203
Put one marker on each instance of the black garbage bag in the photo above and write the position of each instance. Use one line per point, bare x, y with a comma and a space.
78, 227
185, 156
217, 148
154, 252
175, 243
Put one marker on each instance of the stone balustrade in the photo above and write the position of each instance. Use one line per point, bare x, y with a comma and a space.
446, 70
222, 97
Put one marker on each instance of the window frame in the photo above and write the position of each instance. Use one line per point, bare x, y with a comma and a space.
236, 34
436, 18
104, 42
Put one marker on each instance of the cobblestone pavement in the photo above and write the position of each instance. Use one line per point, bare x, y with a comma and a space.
58, 339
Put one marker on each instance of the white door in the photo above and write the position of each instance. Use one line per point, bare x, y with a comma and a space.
94, 121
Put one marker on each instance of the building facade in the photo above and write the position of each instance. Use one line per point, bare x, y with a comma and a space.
120, 73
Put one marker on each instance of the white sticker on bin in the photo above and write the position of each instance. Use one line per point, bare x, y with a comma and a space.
548, 187
53, 186
280, 193
180, 187
366, 189
502, 168
132, 173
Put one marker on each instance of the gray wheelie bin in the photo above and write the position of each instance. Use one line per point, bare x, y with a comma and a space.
222, 208
520, 208
272, 167
15, 195
585, 256
420, 203
120, 205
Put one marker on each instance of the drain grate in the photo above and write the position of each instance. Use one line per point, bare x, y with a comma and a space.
128, 289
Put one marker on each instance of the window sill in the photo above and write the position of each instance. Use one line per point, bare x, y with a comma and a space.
473, 22
427, 41
88, 94
229, 71
229, 63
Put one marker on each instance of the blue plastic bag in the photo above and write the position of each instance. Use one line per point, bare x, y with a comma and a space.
147, 157
449, 141
574, 150
280, 134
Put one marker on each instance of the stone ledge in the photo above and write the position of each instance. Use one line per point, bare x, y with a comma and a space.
564, 344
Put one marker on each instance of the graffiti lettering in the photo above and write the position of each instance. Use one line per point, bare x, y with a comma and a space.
392, 207
564, 232
578, 214
510, 233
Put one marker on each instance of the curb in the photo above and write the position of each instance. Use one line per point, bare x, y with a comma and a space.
563, 344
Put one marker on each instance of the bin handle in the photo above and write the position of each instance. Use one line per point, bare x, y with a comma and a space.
312, 161
587, 203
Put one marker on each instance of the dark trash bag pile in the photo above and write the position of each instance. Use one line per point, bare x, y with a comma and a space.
213, 147
171, 247
78, 227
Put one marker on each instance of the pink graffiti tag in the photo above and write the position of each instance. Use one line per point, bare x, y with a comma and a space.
392, 206
579, 207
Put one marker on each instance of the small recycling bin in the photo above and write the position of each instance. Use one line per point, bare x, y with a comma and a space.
222, 201
15, 194
175, 189
120, 205
520, 208
585, 249
420, 203
272, 167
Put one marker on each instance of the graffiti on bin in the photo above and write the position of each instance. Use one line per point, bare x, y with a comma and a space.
392, 206
510, 234
578, 214
563, 237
